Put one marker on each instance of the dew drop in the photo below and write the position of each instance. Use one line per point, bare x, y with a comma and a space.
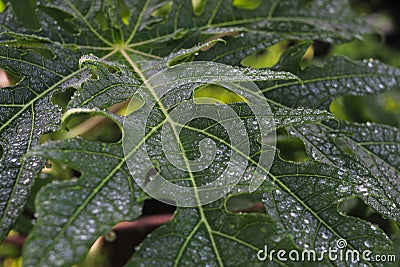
367, 244
110, 236
276, 238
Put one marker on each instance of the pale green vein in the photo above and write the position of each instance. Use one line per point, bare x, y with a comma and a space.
83, 18
372, 154
142, 53
19, 173
317, 148
136, 27
176, 134
105, 90
273, 8
184, 245
244, 243
214, 13
153, 40
95, 191
275, 179
41, 95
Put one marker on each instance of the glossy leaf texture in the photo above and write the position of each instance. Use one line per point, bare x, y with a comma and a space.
73, 214
27, 113
213, 236
106, 50
338, 76
307, 204
368, 151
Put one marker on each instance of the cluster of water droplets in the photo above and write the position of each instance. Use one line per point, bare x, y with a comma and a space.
208, 155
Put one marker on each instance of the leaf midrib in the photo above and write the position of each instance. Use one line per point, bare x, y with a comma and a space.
95, 192
275, 179
172, 123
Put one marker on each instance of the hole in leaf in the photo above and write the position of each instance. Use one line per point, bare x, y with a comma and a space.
101, 129
94, 76
112, 69
153, 206
291, 148
150, 174
129, 235
246, 4
211, 93
119, 108
59, 171
14, 78
344, 146
162, 11
266, 58
246, 203
89, 127
61, 98
26, 221
2, 6
62, 18
357, 208
4, 80
308, 56
133, 104
198, 6
383, 108
321, 50
124, 12
210, 37
9, 78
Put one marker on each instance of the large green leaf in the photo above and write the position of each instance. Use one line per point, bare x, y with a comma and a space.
331, 144
113, 174
368, 151
213, 237
302, 202
337, 77
307, 204
26, 113
73, 214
